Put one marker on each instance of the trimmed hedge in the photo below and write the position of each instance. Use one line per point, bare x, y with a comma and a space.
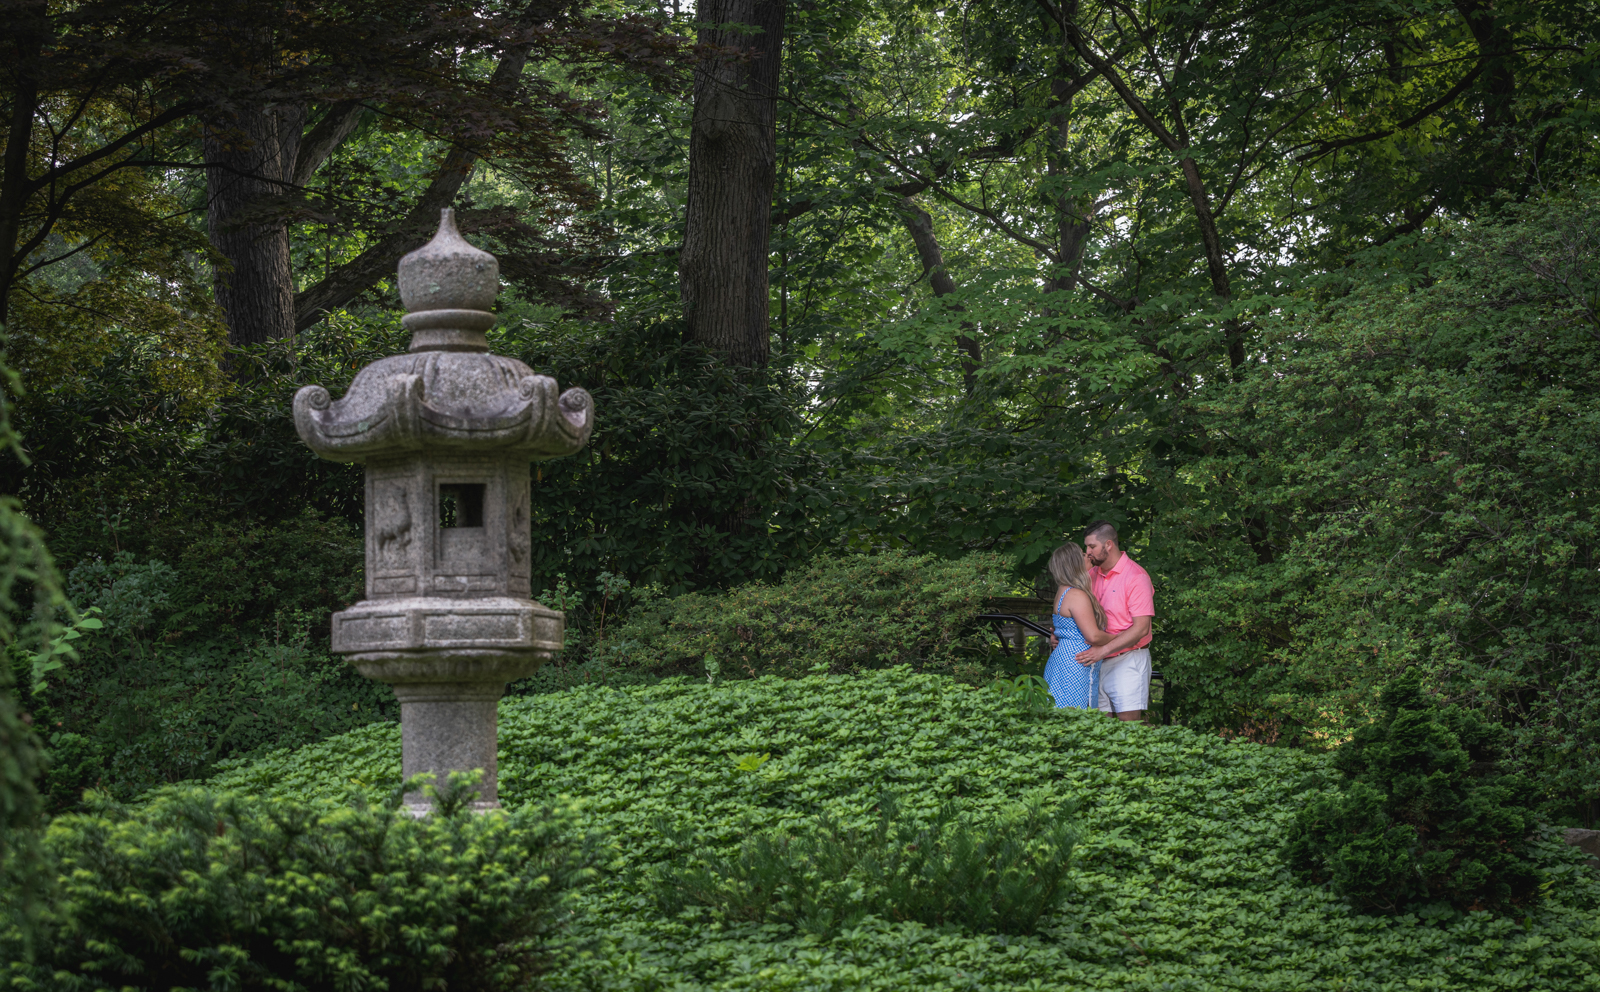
850, 613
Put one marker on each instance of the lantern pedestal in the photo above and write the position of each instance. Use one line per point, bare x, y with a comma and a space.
448, 726
449, 661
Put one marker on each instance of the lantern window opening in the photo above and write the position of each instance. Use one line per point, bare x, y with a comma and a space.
460, 504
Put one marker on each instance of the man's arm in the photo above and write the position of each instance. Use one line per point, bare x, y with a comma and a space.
1127, 639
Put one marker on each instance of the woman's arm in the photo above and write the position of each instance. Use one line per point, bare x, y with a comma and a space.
1080, 609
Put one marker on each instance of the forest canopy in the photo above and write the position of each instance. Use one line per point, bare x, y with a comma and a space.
1302, 296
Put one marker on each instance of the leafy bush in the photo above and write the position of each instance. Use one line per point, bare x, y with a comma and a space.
222, 656
995, 874
28, 580
692, 478
1424, 818
211, 890
850, 612
126, 720
1413, 483
281, 579
560, 674
1177, 880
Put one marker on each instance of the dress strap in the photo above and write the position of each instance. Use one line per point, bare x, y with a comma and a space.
1059, 597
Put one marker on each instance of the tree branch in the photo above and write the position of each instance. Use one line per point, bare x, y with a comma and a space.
1324, 147
328, 134
166, 117
919, 224
1130, 98
354, 277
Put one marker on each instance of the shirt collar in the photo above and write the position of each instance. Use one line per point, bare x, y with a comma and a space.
1121, 561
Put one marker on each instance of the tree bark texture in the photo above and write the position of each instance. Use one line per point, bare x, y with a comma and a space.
919, 224
28, 28
722, 271
250, 162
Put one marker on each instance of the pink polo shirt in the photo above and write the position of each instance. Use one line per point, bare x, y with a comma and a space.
1124, 592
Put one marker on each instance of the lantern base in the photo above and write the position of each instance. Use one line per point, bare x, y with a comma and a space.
449, 661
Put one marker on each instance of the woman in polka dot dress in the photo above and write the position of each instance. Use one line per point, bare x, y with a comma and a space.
1079, 624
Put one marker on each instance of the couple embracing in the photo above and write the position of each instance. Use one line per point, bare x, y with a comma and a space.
1100, 654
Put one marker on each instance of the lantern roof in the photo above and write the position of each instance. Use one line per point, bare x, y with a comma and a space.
450, 392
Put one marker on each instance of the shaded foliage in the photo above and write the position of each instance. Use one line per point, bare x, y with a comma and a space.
1418, 460
845, 614
1000, 874
1424, 820
219, 655
201, 889
33, 605
693, 477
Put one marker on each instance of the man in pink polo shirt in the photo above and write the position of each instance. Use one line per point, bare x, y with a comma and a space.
1125, 593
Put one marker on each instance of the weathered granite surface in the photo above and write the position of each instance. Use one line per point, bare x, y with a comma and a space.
446, 434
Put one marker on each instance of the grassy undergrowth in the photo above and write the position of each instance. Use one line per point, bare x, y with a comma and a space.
1177, 882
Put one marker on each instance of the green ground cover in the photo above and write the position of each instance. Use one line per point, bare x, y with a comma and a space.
1177, 879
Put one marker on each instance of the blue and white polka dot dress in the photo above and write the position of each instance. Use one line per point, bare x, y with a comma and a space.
1071, 684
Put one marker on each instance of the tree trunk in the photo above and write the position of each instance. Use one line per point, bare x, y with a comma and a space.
250, 161
28, 27
919, 224
722, 272
1072, 214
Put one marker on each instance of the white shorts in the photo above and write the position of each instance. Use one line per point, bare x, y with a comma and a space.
1125, 682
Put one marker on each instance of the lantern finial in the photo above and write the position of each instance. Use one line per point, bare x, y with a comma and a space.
449, 287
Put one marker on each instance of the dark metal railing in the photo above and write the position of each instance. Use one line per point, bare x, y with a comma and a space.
1024, 628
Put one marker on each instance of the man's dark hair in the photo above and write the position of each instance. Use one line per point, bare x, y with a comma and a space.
1105, 530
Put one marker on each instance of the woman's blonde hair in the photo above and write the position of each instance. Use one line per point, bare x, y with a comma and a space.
1069, 568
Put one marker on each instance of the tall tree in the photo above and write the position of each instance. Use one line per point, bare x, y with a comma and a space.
92, 91
732, 171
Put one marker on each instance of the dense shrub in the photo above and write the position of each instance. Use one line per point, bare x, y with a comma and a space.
1413, 484
24, 564
1424, 818
692, 479
1177, 881
28, 579
850, 612
221, 655
994, 874
561, 674
211, 890
282, 578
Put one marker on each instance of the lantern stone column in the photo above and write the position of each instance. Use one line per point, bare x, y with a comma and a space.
446, 433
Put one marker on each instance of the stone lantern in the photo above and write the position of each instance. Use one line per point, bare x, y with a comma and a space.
446, 433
